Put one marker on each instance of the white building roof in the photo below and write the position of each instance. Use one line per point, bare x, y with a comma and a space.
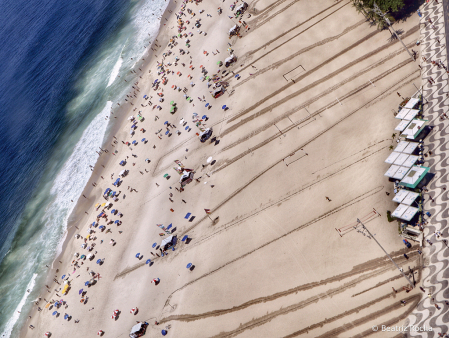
402, 113
400, 210
410, 161
400, 173
402, 125
400, 195
409, 213
411, 103
393, 156
411, 114
413, 175
410, 148
401, 146
410, 198
413, 128
392, 170
401, 159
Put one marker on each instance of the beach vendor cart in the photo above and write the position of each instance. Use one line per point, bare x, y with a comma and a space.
230, 60
138, 330
205, 135
217, 92
186, 177
234, 30
168, 243
241, 8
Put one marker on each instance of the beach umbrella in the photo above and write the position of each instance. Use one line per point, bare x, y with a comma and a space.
164, 332
143, 140
172, 103
138, 255
80, 291
154, 245
172, 109
224, 107
166, 122
204, 117
134, 142
148, 261
66, 316
113, 210
98, 261
116, 221
86, 284
207, 105
237, 76
54, 313
189, 265
63, 276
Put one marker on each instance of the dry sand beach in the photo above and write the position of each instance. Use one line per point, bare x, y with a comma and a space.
301, 153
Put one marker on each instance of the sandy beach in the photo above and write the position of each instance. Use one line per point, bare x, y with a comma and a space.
302, 142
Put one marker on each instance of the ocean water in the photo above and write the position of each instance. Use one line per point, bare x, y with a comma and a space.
62, 65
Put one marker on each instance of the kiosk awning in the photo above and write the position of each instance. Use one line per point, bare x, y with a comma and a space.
414, 176
411, 103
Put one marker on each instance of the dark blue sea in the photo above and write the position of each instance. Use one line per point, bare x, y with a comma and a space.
62, 65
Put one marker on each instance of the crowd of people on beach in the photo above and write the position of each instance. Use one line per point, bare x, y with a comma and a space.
173, 83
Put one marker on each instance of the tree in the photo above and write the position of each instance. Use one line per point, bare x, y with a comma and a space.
386, 6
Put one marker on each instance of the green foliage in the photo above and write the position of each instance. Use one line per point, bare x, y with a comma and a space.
386, 6
389, 217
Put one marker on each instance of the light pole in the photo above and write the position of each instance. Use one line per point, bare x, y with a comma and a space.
391, 259
379, 12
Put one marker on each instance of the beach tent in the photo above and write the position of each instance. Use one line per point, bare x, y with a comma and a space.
234, 30
138, 330
230, 60
167, 242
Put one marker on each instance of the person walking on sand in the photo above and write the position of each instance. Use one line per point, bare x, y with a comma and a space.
328, 198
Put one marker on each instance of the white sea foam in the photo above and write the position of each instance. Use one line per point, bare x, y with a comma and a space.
146, 24
116, 69
12, 321
75, 174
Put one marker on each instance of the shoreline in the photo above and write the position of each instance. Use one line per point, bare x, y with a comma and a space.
114, 126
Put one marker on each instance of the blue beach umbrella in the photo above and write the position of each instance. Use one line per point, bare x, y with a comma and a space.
66, 316
54, 313
116, 221
224, 107
237, 76
113, 210
80, 291
189, 265
203, 117
93, 224
134, 142
101, 227
143, 140
98, 261
166, 122
207, 105
154, 245
63, 276
148, 261
164, 332
138, 255
86, 284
